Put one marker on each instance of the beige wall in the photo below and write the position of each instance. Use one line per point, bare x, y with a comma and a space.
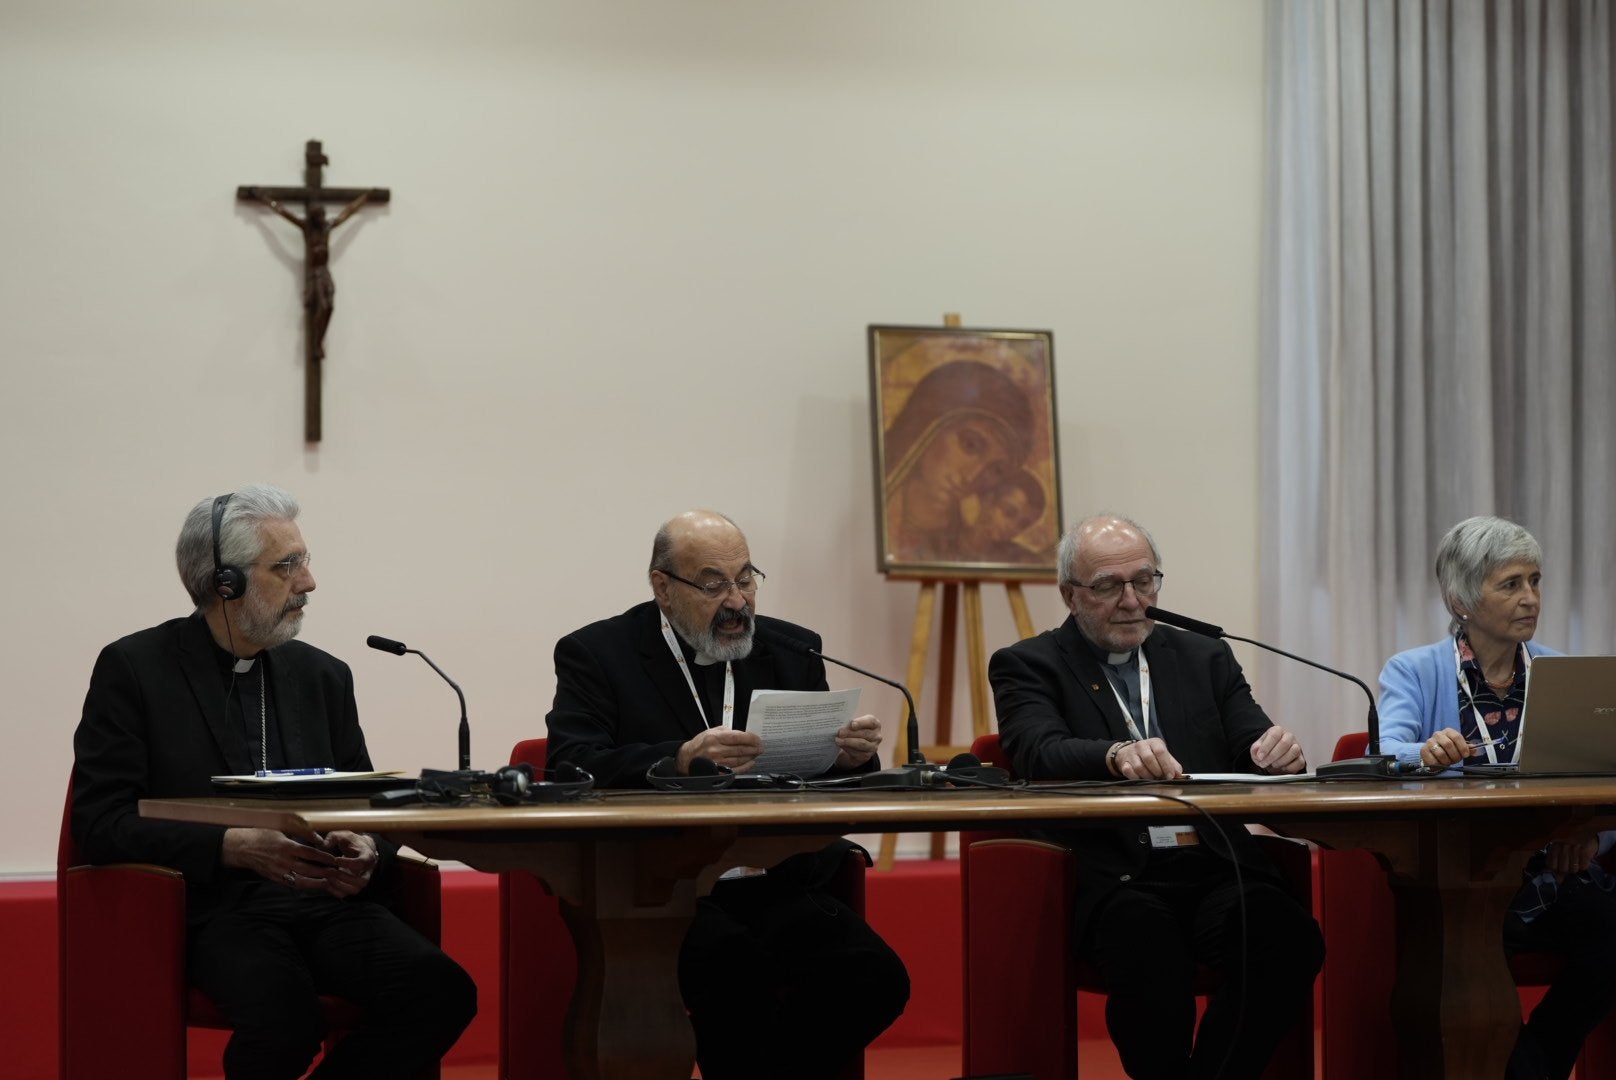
627, 269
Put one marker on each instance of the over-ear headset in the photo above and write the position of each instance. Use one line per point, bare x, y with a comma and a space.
705, 775
230, 582
967, 770
515, 784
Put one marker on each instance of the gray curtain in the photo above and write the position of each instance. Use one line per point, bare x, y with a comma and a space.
1438, 324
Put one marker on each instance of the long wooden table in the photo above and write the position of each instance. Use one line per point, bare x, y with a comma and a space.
629, 868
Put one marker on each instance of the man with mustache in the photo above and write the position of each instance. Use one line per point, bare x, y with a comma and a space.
1109, 695
272, 921
779, 977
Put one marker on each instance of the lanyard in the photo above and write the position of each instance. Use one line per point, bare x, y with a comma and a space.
1134, 730
1481, 724
684, 668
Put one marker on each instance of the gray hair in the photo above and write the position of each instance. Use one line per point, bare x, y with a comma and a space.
1070, 545
1473, 549
239, 541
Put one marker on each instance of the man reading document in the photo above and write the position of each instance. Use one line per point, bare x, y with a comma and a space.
779, 976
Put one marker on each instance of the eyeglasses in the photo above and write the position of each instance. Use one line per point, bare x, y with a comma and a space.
291, 564
746, 585
1145, 586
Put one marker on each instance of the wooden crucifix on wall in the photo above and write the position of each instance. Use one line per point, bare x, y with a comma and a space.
319, 291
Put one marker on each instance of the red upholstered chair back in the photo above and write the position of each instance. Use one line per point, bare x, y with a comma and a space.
538, 966
123, 999
1021, 978
1358, 913
1351, 745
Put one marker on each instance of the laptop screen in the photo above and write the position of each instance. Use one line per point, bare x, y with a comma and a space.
1570, 722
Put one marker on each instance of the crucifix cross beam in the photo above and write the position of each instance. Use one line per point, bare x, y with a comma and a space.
319, 290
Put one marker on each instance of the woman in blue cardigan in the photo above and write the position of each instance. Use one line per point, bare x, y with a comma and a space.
1464, 698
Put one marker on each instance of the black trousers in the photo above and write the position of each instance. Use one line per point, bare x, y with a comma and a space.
783, 980
1581, 926
1146, 939
267, 958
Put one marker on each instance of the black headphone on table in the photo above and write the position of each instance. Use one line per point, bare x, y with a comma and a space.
705, 775
517, 784
968, 770
230, 582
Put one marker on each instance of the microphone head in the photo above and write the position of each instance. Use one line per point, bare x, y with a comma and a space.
386, 644
775, 636
1183, 622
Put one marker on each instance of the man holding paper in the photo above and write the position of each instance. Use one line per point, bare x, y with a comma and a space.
779, 977
273, 921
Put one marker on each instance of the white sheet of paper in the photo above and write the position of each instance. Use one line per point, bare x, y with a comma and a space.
1249, 778
312, 779
798, 728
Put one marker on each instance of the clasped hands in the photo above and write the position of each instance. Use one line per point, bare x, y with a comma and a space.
856, 742
339, 862
1275, 751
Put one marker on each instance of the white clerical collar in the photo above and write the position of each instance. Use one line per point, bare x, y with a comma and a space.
244, 664
1117, 659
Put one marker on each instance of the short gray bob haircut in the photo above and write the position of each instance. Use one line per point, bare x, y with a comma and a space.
1070, 545
239, 541
1473, 549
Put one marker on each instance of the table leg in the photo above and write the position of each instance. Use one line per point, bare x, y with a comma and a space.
1454, 1004
627, 903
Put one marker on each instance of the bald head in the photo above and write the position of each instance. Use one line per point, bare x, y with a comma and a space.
692, 529
1102, 531
694, 552
1109, 570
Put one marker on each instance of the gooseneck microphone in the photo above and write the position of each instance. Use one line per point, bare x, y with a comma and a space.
1373, 764
913, 773
398, 648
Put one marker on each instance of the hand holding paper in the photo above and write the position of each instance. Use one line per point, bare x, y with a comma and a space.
858, 741
799, 729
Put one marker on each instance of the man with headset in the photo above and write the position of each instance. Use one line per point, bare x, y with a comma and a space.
1109, 696
780, 978
272, 920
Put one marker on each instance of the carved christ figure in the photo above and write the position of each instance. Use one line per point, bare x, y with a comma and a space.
319, 290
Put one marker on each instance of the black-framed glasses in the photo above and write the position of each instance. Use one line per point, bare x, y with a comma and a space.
747, 584
1145, 586
291, 564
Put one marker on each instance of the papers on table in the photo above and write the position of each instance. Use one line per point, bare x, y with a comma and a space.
300, 776
1246, 777
798, 728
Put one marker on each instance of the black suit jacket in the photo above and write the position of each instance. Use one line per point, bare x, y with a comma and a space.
154, 727
622, 704
1058, 718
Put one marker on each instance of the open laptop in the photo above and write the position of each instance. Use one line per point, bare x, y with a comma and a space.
1570, 718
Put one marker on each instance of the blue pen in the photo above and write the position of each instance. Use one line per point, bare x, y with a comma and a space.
320, 771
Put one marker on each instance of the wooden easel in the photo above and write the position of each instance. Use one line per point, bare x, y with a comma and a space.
976, 671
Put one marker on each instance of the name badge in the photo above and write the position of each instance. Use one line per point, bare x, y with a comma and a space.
1173, 836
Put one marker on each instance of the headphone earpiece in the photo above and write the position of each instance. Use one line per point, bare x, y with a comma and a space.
705, 775
967, 770
516, 784
230, 582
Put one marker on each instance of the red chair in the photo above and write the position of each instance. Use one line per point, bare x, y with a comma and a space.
1358, 913
1021, 978
538, 965
124, 1002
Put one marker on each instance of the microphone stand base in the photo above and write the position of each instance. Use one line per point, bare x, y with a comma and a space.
1375, 766
904, 776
